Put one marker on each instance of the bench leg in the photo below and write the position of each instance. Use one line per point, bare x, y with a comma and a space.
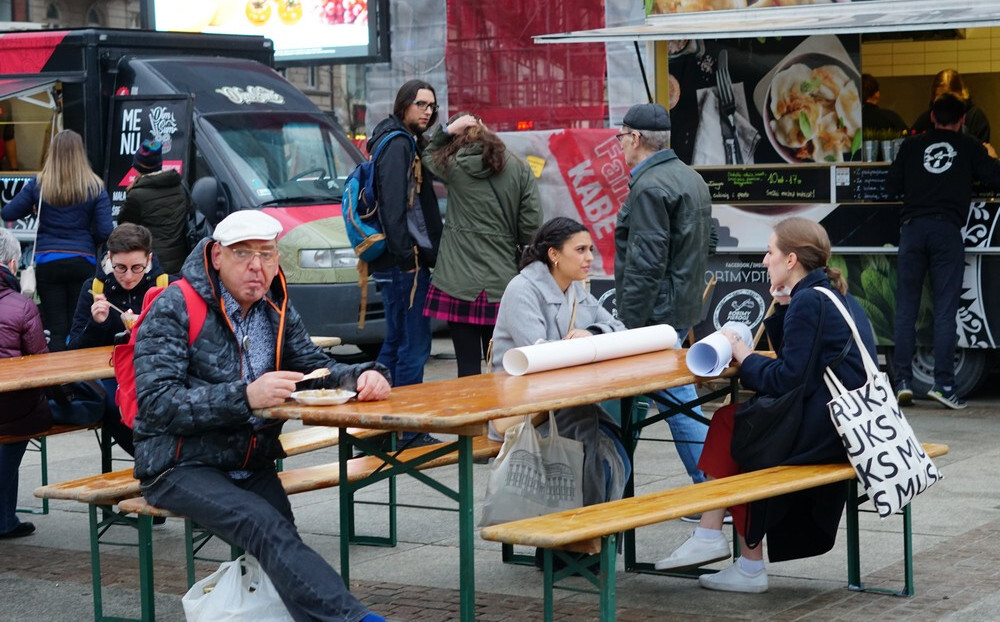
609, 549
189, 550
38, 444
95, 563
548, 584
854, 547
604, 580
853, 538
147, 593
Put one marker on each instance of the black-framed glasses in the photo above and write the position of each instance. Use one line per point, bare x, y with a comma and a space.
619, 136
422, 106
245, 255
121, 268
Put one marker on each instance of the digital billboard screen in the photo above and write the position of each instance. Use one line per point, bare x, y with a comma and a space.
303, 31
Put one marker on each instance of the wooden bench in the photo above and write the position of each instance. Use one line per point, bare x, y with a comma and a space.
593, 529
121, 489
37, 443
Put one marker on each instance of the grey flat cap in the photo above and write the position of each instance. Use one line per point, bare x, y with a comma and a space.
652, 117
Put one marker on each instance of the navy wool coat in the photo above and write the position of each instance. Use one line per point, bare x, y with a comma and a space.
805, 523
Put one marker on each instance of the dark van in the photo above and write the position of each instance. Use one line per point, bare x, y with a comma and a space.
241, 136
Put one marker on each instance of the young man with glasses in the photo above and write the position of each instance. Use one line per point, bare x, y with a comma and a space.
109, 304
200, 452
412, 224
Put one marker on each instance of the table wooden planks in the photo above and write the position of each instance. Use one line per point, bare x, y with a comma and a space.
52, 368
465, 405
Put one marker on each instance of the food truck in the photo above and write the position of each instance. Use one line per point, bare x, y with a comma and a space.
734, 80
241, 136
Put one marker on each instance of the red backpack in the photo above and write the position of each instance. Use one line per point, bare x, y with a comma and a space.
128, 402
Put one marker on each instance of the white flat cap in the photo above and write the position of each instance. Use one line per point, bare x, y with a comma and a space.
246, 224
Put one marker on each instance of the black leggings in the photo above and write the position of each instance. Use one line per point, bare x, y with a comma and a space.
471, 342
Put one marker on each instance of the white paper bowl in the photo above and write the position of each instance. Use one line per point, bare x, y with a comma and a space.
322, 397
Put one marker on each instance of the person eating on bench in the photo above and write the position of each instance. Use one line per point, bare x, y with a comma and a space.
109, 304
805, 523
199, 451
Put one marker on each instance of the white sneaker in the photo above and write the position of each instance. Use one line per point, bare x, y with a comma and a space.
735, 579
695, 552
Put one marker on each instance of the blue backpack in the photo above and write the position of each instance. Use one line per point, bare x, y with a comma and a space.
360, 204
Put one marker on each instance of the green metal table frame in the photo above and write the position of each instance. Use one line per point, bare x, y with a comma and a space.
104, 441
103, 518
463, 496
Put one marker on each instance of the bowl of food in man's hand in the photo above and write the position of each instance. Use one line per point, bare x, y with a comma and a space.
322, 397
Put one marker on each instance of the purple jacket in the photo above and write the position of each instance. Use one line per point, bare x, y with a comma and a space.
21, 412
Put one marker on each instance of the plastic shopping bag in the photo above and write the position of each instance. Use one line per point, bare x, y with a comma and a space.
533, 476
239, 590
28, 282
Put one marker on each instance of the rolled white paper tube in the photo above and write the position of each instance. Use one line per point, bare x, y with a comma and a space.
710, 356
548, 355
570, 352
635, 341
740, 329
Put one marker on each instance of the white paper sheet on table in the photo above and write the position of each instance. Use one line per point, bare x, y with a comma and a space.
570, 352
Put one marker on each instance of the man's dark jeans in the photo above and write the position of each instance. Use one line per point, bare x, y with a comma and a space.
255, 515
407, 342
934, 246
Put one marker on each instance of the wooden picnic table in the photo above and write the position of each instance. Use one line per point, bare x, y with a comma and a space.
37, 371
464, 407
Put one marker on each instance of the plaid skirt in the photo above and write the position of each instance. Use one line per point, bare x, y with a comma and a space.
441, 306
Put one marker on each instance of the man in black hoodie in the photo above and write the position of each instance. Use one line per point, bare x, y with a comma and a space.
933, 173
412, 224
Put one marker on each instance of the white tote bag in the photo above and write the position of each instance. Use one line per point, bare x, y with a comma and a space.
532, 476
891, 464
238, 591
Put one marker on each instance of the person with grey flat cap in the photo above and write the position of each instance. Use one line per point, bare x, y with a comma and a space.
662, 240
199, 450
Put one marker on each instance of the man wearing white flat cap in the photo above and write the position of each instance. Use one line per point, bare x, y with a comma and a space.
199, 451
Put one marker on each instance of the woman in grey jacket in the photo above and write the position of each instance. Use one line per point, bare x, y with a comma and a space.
493, 207
547, 302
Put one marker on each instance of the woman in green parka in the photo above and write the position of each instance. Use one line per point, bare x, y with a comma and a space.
493, 209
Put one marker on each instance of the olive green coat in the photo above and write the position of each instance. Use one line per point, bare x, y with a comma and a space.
481, 233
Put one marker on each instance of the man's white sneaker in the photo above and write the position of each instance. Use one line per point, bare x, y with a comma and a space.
735, 579
695, 552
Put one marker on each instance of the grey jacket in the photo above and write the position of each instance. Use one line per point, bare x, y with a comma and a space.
533, 308
662, 240
193, 407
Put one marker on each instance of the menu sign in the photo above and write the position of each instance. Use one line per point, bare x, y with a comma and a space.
861, 184
779, 184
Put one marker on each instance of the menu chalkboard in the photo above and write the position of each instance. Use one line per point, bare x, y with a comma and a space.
768, 184
861, 184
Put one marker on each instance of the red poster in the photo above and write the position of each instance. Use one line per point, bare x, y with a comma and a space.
593, 167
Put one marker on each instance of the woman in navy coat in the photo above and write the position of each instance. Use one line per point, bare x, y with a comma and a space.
805, 523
